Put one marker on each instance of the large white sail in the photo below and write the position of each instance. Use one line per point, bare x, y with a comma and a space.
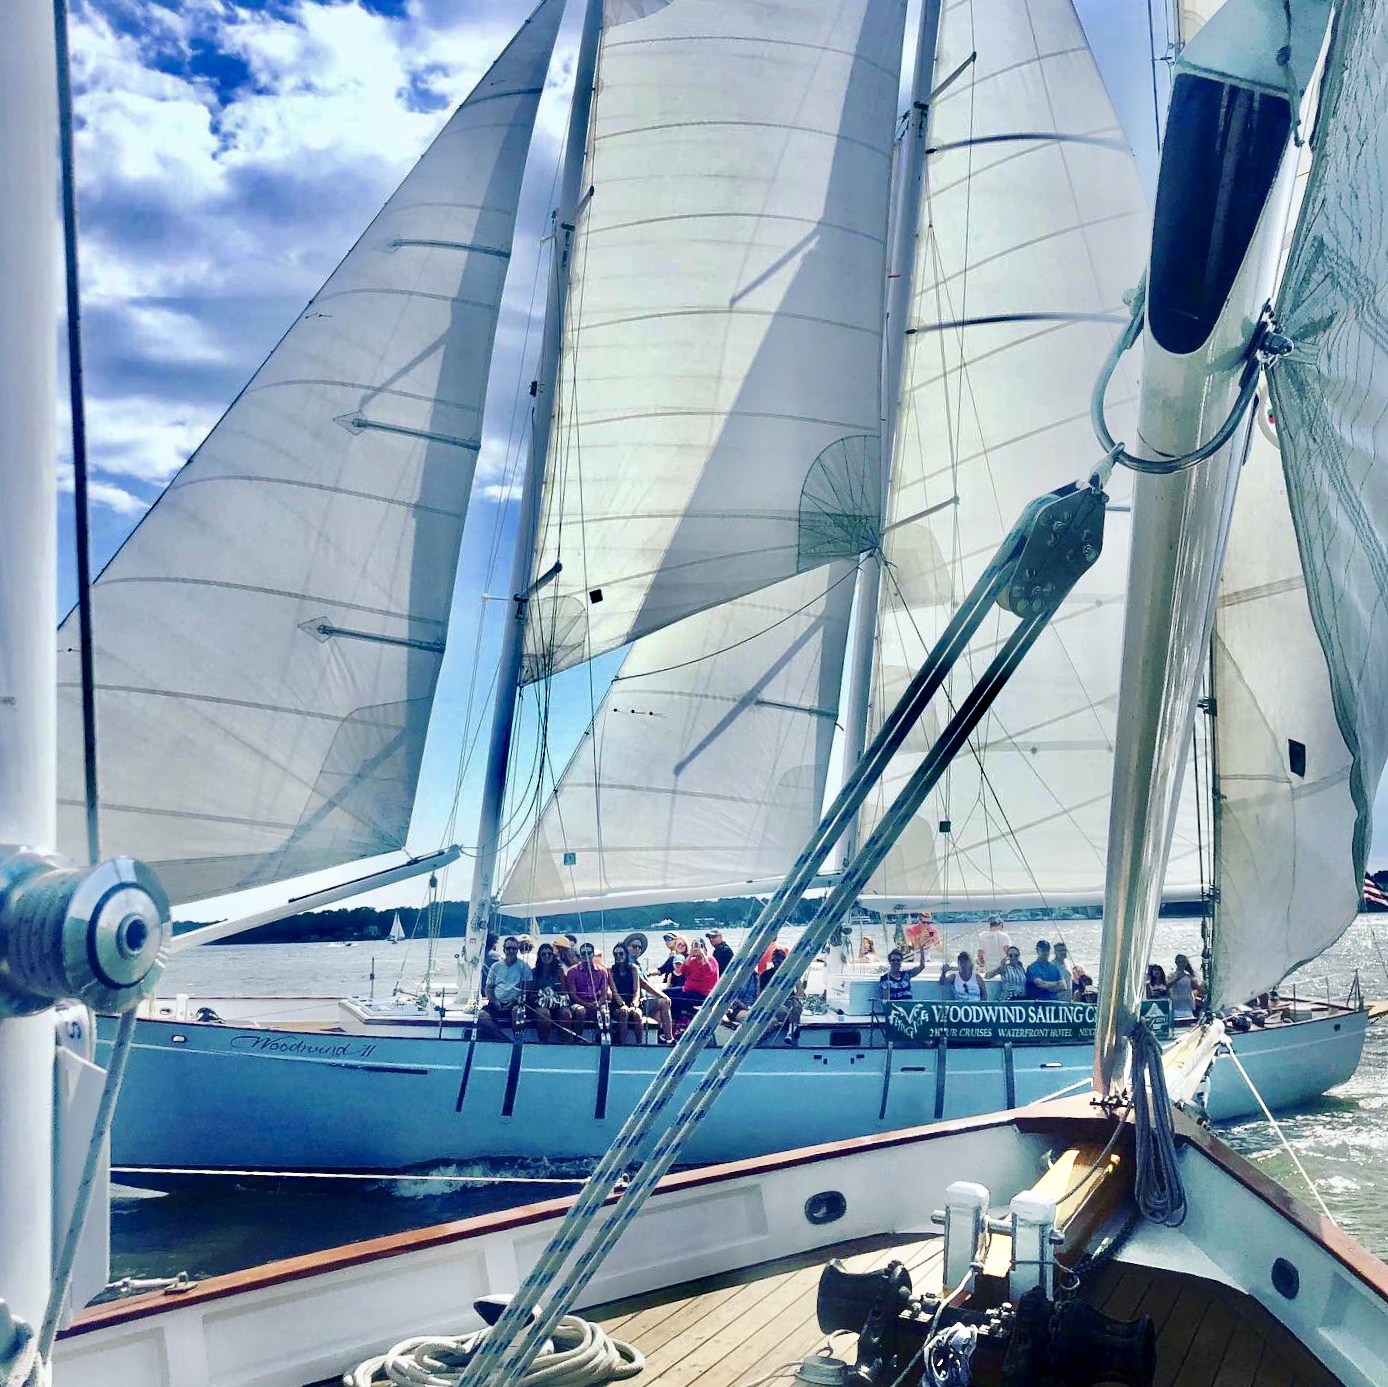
269, 637
1032, 229
718, 405
1332, 424
705, 767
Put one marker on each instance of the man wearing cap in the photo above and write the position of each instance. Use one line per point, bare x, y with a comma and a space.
1044, 981
993, 944
722, 951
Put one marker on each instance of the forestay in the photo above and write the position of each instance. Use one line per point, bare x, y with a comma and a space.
1033, 227
269, 637
705, 766
1332, 422
718, 404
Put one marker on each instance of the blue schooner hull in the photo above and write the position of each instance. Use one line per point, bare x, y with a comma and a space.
216, 1097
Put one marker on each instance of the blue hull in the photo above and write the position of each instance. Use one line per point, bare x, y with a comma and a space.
212, 1097
217, 1097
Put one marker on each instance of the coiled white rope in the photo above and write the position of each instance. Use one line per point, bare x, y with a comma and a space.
21, 1364
949, 1356
580, 1354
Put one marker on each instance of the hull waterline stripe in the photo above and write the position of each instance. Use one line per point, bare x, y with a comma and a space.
508, 1103
886, 1083
604, 1074
467, 1067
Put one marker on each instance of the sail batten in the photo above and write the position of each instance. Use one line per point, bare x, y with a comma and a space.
717, 411
269, 636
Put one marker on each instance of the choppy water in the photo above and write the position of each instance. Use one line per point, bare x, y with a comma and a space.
206, 1228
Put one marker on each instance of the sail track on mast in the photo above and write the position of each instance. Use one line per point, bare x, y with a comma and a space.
269, 637
718, 404
1032, 228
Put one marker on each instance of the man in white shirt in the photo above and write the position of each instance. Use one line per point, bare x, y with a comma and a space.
993, 944
506, 984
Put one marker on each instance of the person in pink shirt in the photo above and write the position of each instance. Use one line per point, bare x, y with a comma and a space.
697, 979
589, 986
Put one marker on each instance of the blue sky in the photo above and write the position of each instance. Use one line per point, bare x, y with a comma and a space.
229, 152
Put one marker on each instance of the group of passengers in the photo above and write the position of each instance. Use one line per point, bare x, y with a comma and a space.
1183, 987
996, 972
569, 987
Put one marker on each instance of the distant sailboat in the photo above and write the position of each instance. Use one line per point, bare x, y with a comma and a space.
397, 930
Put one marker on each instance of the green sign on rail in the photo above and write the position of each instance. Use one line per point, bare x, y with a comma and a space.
994, 1023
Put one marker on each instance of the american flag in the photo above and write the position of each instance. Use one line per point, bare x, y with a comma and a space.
1375, 897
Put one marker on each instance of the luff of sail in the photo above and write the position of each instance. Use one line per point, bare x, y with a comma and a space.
270, 635
1032, 229
706, 765
1332, 425
718, 402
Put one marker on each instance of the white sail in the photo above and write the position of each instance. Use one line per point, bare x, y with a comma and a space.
718, 404
269, 637
1332, 424
1032, 229
705, 767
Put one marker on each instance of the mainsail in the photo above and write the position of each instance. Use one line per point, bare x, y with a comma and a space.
1032, 229
717, 412
1331, 414
269, 637
705, 767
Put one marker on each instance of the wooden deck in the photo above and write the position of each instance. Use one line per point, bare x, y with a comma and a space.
733, 1330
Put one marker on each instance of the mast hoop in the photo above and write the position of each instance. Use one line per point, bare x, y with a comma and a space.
1266, 347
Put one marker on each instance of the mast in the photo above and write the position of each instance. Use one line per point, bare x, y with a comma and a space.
542, 418
905, 230
28, 617
1200, 344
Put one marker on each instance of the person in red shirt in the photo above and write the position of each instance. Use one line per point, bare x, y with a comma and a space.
589, 986
697, 979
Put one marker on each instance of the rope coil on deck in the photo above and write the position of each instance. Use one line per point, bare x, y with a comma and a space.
580, 1354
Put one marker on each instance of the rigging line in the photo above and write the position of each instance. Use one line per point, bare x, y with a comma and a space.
756, 635
986, 783
1152, 68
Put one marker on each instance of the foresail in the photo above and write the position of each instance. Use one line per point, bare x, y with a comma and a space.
1330, 399
706, 765
718, 405
1286, 815
269, 637
1033, 227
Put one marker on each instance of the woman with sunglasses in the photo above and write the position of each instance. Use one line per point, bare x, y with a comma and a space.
626, 988
635, 945
551, 993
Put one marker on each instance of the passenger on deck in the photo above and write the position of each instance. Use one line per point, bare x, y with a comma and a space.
564, 950
589, 987
658, 1002
1061, 957
1184, 990
673, 966
965, 984
507, 982
722, 951
993, 944
745, 1000
867, 951
698, 978
626, 988
1012, 976
550, 993
1044, 982
1156, 982
894, 985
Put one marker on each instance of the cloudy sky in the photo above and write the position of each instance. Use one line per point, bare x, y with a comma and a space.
229, 152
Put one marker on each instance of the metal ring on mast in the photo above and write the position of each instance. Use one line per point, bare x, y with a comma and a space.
1266, 347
